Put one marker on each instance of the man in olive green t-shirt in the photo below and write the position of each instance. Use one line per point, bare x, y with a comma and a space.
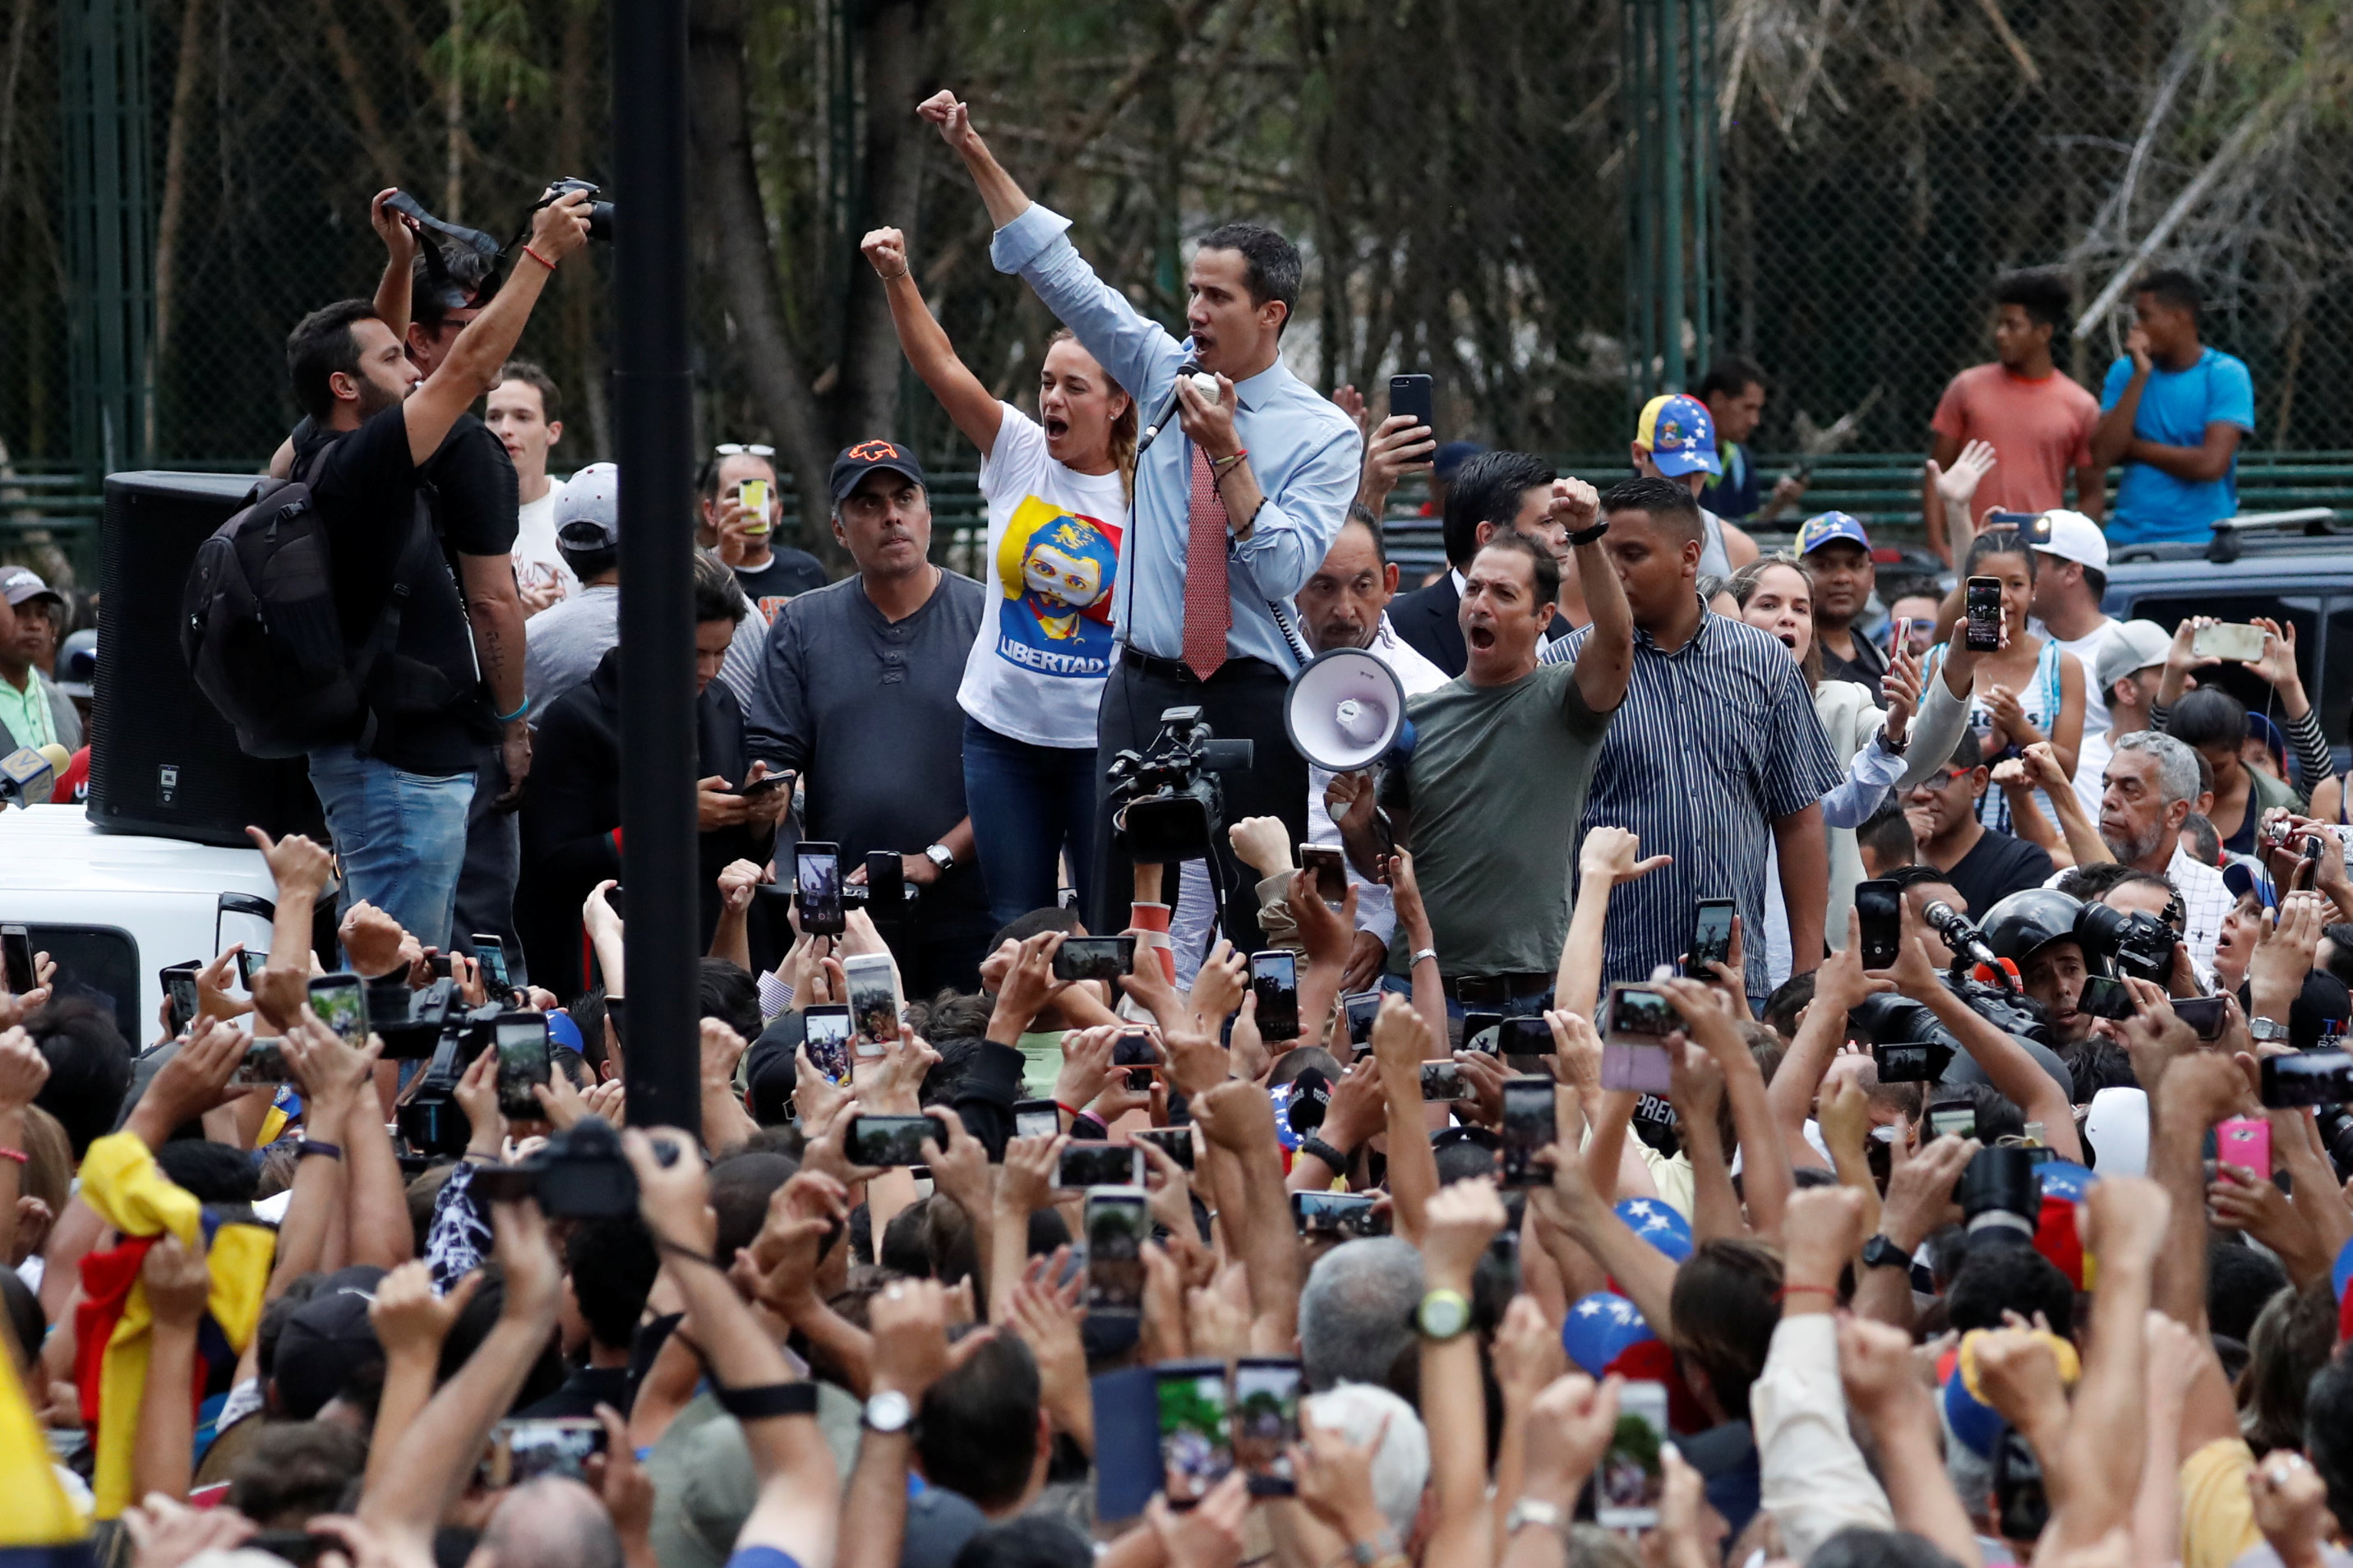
1490, 799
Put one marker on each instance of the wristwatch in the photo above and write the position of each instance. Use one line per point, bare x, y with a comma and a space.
1590, 535
1879, 1252
1443, 1314
943, 856
888, 1411
1531, 1511
2267, 1029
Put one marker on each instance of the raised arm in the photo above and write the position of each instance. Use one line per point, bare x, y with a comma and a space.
924, 341
1402, 1041
435, 1457
1607, 660
795, 1512
399, 235
1238, 1116
999, 193
484, 346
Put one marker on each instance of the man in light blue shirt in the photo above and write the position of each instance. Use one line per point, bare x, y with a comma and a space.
1204, 603
2173, 412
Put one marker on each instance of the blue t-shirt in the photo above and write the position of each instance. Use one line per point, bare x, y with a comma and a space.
2176, 406
1735, 496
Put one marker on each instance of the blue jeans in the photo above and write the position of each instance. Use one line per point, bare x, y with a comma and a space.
401, 837
1029, 805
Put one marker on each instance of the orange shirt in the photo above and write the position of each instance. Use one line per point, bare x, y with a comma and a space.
2040, 429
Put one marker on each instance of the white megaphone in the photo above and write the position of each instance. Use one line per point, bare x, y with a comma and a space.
1345, 711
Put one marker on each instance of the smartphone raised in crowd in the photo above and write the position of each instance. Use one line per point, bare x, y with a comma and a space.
2232, 640
524, 1450
1524, 1037
817, 887
1036, 1119
1415, 394
1177, 1142
1631, 1476
1331, 871
491, 954
16, 950
1711, 938
1094, 957
874, 1006
521, 1040
1274, 981
179, 982
1087, 1164
1117, 1223
1636, 1020
341, 1002
1879, 923
2204, 1015
1361, 1009
882, 1142
1266, 1422
2307, 1078
1984, 601
1336, 1213
1527, 1127
1441, 1082
826, 1039
264, 1062
1196, 1447
2245, 1142
1134, 1051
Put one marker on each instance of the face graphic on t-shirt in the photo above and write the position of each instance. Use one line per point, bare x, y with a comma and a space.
1056, 569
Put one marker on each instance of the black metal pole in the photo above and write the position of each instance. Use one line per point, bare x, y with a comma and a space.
654, 428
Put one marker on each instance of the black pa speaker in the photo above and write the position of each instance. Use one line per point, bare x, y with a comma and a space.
162, 760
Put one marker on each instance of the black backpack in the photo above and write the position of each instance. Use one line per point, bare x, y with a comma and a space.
260, 633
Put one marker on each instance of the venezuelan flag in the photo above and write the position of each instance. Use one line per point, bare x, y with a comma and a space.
123, 1183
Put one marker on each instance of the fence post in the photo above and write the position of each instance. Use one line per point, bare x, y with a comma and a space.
110, 232
1667, 75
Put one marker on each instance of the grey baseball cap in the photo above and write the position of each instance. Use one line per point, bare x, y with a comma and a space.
589, 516
2130, 648
18, 584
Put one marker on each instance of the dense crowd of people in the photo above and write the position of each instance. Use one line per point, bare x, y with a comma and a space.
1765, 1075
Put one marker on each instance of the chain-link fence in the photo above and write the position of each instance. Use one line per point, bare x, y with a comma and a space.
1456, 171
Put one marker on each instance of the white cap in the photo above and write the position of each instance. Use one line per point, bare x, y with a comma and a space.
2129, 648
592, 496
2071, 536
2117, 1128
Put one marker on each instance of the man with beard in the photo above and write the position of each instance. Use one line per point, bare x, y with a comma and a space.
2151, 782
397, 789
1490, 799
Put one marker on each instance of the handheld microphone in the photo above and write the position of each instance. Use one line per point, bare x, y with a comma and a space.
28, 775
1167, 410
1961, 935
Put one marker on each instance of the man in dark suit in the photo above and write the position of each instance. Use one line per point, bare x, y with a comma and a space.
1491, 492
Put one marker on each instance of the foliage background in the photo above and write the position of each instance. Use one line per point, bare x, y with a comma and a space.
1454, 170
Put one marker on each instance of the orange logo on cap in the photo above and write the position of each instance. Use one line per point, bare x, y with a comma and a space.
873, 451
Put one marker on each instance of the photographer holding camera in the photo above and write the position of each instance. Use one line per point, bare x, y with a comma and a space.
397, 791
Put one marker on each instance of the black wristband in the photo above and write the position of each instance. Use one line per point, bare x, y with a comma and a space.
769, 1399
309, 1146
1590, 535
1326, 1153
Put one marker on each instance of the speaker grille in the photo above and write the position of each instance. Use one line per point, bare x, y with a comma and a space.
162, 760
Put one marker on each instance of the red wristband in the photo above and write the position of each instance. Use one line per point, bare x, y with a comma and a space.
16, 1155
535, 255
1788, 1290
1070, 1111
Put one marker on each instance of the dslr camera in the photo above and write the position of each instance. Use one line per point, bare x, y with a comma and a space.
600, 214
2138, 945
1168, 804
581, 1173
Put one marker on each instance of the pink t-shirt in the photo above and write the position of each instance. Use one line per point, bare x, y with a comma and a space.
2040, 429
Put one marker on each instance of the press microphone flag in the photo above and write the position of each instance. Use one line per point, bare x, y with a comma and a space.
1345, 711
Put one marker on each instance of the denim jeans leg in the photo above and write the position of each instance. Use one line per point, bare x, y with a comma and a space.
1015, 794
400, 837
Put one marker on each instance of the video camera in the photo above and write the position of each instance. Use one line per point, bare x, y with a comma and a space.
2000, 1195
1168, 806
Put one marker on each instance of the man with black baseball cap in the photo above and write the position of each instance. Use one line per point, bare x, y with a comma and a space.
857, 693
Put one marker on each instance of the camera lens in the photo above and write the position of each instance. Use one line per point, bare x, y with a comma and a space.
2001, 1182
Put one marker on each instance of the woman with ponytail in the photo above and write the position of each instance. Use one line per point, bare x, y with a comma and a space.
1057, 489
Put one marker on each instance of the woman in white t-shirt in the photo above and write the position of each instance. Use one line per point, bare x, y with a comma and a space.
1057, 489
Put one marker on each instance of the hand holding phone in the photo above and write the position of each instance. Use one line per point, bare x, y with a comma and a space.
1983, 634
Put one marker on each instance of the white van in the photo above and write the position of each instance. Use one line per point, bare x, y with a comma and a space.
115, 908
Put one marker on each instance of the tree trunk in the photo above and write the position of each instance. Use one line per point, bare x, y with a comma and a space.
175, 192
592, 433
728, 206
892, 41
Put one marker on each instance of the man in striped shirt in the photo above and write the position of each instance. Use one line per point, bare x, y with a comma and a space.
1714, 757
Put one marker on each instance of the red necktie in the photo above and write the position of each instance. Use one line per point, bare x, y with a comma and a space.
1208, 608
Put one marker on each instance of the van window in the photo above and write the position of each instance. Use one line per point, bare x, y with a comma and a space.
101, 963
2303, 614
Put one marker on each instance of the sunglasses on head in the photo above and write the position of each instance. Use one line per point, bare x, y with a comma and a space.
738, 449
